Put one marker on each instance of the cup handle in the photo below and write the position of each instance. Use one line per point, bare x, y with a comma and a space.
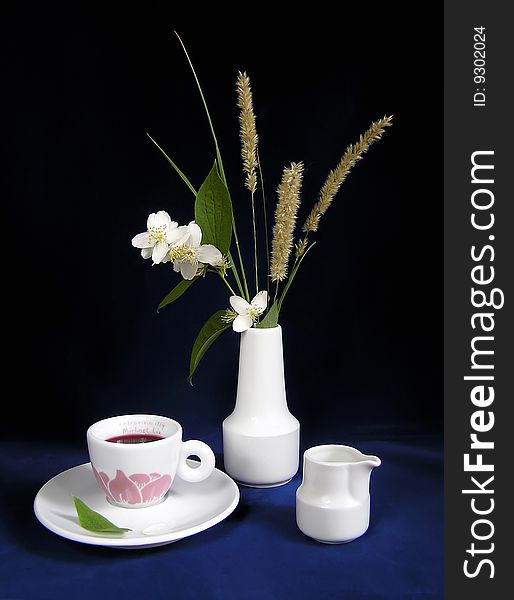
206, 456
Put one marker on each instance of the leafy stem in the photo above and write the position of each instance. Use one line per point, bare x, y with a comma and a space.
195, 193
180, 173
236, 274
227, 283
298, 261
276, 292
255, 246
265, 221
218, 154
221, 170
234, 269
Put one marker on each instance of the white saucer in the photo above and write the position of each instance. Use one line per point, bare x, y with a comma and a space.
188, 509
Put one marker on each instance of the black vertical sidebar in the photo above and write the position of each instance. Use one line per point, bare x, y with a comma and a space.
479, 295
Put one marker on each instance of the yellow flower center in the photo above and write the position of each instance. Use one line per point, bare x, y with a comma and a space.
158, 234
254, 312
185, 253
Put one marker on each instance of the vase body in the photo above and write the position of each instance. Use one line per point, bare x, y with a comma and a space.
333, 502
261, 438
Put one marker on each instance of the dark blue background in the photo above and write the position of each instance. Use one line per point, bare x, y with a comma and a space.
362, 324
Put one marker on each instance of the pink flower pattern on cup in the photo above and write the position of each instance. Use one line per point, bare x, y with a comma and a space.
138, 488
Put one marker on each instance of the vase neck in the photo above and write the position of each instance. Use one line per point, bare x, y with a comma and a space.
261, 386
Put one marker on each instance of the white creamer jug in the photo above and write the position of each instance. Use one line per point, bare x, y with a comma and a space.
333, 502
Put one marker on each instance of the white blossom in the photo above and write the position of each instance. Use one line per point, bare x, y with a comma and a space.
161, 233
189, 252
247, 312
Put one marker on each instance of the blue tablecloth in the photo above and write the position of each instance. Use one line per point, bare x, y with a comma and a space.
258, 552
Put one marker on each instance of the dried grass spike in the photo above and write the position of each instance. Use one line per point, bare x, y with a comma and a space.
301, 247
285, 218
247, 131
336, 177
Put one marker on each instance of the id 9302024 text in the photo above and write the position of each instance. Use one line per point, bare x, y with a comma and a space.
479, 66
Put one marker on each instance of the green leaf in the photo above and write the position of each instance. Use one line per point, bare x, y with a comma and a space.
209, 333
176, 292
271, 318
179, 172
213, 211
93, 521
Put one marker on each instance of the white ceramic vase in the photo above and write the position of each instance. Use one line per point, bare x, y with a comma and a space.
261, 438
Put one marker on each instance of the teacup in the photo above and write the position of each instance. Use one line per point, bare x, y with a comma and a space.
135, 458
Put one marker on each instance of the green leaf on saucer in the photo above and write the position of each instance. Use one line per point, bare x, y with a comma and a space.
209, 333
213, 211
271, 319
176, 292
93, 521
